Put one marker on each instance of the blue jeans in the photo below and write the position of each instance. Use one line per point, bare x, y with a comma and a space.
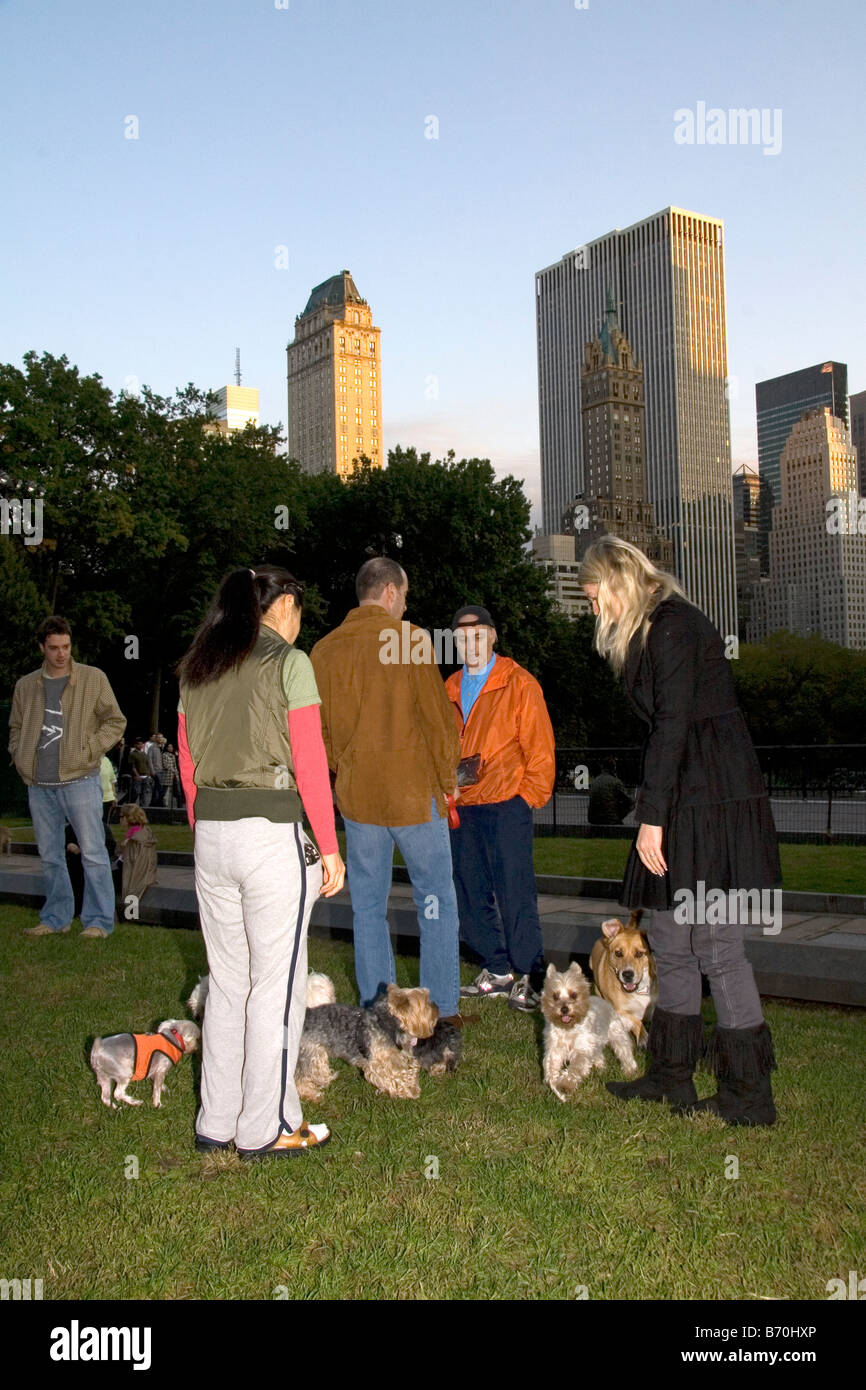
427, 852
496, 892
80, 803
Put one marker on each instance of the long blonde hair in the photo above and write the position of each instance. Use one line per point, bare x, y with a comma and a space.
621, 570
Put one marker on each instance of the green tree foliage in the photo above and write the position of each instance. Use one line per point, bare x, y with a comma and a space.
797, 689
147, 506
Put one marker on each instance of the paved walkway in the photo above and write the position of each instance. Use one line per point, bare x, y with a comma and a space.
817, 955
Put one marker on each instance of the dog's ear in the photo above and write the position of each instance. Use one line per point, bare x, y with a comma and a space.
574, 970
551, 970
634, 920
612, 927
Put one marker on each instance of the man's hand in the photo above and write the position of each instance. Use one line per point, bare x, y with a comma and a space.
649, 848
334, 871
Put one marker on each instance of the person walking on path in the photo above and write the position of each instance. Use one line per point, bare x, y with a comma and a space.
705, 826
507, 768
252, 760
64, 717
391, 741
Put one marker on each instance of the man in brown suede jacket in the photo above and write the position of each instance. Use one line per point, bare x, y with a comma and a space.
390, 738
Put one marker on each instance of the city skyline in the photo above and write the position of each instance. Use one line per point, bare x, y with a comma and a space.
162, 209
666, 274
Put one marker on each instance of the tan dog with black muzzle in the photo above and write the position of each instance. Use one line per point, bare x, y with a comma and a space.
625, 974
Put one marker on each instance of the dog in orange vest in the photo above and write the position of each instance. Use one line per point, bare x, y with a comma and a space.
126, 1057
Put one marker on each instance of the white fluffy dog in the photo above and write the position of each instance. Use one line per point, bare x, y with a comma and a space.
577, 1029
320, 990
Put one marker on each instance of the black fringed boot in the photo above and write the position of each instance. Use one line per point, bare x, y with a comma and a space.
675, 1043
742, 1059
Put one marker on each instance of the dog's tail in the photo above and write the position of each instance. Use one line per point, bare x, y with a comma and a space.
198, 998
320, 990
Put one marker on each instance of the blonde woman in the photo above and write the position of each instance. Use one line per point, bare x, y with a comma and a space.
705, 823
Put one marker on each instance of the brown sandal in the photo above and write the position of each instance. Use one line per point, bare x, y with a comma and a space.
303, 1138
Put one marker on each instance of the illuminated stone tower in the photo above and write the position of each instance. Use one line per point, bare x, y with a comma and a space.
335, 381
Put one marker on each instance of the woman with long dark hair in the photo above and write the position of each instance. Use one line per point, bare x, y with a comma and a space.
251, 757
706, 834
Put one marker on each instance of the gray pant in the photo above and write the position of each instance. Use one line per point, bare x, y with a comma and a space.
682, 952
255, 895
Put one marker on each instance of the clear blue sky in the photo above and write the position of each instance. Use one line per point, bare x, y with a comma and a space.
305, 127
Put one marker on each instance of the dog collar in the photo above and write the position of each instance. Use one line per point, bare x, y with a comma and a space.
176, 1038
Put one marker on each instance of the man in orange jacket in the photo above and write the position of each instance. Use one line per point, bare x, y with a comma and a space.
507, 768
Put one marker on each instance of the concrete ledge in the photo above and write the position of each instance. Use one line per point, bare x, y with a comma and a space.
830, 969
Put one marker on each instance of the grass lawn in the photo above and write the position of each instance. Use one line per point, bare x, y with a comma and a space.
805, 868
533, 1198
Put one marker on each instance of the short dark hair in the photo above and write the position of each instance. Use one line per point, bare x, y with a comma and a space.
375, 574
54, 626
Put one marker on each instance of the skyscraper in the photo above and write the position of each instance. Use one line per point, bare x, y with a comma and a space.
781, 402
668, 278
613, 499
747, 513
236, 407
334, 380
817, 580
858, 435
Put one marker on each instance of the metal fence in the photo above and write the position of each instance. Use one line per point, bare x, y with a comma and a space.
817, 791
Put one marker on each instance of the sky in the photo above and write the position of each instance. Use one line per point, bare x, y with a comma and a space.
443, 152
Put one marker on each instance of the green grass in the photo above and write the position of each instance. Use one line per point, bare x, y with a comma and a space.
534, 1199
805, 868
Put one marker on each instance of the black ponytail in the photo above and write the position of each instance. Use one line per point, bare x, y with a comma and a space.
230, 627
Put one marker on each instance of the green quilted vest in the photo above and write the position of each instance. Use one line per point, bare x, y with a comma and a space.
238, 735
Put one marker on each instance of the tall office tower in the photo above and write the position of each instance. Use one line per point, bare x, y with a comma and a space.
613, 498
817, 580
236, 406
747, 512
858, 435
781, 402
335, 382
668, 276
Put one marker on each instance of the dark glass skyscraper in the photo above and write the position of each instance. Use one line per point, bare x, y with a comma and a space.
858, 436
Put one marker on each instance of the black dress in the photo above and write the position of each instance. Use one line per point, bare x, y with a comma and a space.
700, 776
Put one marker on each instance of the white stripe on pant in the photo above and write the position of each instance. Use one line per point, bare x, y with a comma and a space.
255, 895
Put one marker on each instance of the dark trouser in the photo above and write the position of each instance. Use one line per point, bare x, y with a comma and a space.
682, 952
495, 881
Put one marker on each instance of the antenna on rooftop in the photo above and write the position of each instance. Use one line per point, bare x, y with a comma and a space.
238, 366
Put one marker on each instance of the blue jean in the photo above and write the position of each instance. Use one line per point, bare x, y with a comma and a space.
80, 803
495, 879
427, 852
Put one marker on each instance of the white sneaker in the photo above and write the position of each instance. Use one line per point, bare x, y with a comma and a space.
487, 984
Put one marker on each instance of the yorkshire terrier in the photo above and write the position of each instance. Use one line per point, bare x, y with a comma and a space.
577, 1029
440, 1053
380, 1041
126, 1057
399, 1035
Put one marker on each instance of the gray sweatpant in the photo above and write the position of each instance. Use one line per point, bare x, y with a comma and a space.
255, 895
682, 952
